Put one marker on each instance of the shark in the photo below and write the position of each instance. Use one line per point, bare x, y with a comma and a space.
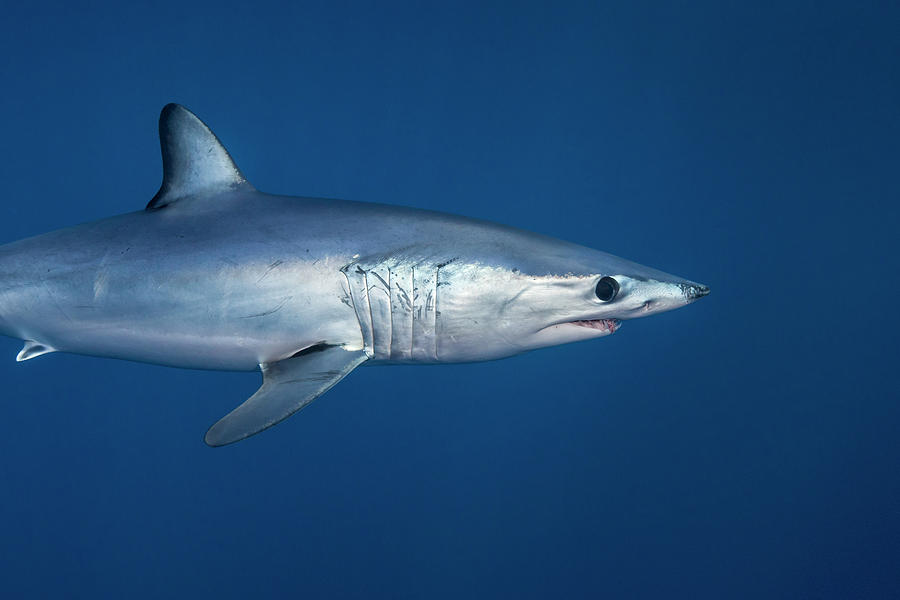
214, 274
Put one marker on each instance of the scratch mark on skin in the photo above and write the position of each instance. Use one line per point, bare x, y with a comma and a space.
100, 284
383, 282
445, 263
269, 312
53, 299
507, 303
407, 303
346, 290
274, 265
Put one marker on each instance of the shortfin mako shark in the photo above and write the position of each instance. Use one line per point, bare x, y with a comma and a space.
214, 274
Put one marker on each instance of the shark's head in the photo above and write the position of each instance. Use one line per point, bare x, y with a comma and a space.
536, 291
579, 306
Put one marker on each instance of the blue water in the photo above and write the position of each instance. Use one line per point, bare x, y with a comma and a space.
744, 446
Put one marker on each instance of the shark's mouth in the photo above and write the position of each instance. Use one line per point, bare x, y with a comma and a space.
610, 325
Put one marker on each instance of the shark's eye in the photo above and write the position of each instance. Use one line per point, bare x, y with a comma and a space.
607, 288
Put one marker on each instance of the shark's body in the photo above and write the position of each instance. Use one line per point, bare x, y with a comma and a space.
216, 275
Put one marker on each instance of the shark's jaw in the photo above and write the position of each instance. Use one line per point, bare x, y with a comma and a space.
604, 325
573, 331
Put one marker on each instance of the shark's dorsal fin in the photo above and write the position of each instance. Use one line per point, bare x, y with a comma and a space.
194, 160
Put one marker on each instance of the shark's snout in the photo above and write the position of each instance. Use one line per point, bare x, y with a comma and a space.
692, 292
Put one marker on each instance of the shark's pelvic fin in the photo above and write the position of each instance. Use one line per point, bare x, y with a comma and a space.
32, 349
288, 385
194, 160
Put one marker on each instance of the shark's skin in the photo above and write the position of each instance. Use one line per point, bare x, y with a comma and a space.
217, 275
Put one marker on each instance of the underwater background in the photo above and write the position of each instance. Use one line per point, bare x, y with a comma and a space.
745, 446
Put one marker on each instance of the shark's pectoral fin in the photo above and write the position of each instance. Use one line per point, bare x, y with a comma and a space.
32, 349
288, 385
